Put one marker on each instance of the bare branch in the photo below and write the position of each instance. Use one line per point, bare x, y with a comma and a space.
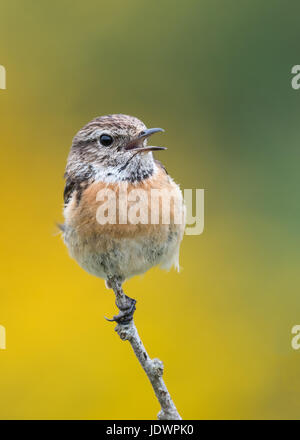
153, 368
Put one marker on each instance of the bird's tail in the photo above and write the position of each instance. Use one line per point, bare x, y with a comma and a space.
61, 226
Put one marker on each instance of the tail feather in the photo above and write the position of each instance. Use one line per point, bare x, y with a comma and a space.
61, 226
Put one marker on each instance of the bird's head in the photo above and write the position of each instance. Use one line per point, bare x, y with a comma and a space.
115, 148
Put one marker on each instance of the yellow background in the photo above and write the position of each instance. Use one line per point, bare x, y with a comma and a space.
216, 75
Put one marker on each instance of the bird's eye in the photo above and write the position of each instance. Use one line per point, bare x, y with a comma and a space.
106, 140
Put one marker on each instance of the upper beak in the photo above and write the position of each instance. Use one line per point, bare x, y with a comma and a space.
137, 143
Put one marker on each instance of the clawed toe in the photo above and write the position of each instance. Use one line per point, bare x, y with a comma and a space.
126, 312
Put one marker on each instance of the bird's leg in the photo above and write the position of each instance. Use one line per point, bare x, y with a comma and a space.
125, 304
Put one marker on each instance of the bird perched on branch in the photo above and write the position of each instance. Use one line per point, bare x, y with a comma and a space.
123, 213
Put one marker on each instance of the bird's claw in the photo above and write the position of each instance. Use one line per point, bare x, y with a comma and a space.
126, 312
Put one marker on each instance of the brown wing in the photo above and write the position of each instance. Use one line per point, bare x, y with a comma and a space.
77, 183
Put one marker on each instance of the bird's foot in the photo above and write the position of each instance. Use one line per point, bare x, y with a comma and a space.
126, 311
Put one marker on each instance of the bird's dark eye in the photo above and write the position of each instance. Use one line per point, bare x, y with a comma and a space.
106, 140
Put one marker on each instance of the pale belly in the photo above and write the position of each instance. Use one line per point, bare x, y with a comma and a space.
105, 256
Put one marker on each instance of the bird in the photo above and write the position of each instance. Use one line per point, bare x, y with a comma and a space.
111, 153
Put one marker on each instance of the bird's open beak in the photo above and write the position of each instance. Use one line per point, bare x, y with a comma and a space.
137, 143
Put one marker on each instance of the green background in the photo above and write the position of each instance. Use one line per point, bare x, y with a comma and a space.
216, 75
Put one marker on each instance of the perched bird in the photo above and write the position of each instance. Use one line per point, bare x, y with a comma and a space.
111, 153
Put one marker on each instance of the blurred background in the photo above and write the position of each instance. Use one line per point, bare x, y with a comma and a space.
216, 75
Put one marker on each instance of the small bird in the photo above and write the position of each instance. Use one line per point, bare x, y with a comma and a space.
111, 152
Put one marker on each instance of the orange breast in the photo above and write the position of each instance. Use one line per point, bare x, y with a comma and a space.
141, 200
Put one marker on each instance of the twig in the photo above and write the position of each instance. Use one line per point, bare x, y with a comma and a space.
153, 368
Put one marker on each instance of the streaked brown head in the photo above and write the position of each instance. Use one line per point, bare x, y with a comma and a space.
115, 147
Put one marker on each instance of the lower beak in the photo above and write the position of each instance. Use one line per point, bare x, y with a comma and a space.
137, 143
